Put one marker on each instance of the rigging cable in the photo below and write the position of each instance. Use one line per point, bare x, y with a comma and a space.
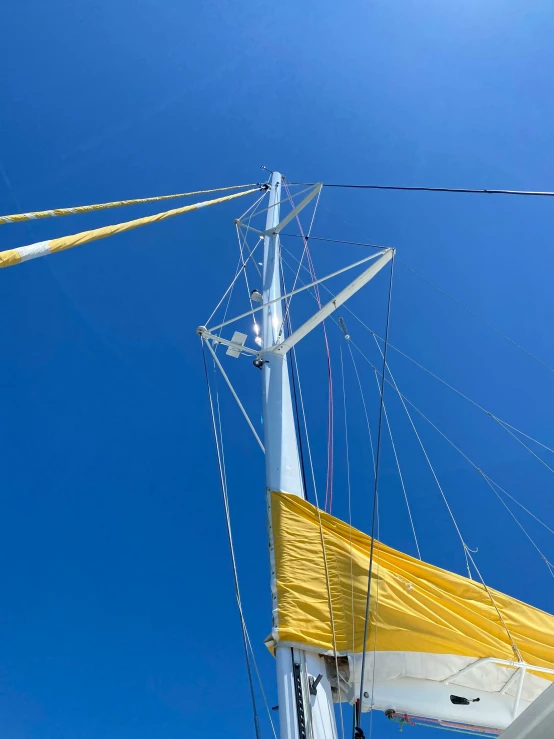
348, 486
223, 481
502, 423
479, 318
464, 545
490, 483
330, 409
321, 535
239, 267
399, 472
376, 486
446, 438
425, 279
537, 193
467, 551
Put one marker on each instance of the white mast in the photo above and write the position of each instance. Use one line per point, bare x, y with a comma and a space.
301, 714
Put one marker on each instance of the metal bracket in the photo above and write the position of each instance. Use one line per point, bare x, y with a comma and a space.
235, 346
294, 212
313, 683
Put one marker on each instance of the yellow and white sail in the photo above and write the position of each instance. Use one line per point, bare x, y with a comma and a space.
426, 626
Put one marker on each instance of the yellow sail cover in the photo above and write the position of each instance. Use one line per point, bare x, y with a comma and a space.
415, 606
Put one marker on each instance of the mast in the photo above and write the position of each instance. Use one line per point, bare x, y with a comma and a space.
301, 713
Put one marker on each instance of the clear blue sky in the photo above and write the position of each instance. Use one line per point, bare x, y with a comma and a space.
118, 618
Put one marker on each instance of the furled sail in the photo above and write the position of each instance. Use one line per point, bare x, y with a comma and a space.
439, 645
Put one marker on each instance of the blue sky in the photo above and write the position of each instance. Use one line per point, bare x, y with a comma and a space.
118, 615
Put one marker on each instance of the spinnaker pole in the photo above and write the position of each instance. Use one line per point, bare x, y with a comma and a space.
301, 714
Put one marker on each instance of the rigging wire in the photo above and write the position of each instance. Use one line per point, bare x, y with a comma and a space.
490, 483
524, 445
450, 297
464, 545
479, 318
303, 252
430, 189
376, 486
446, 438
330, 408
467, 551
223, 481
322, 539
337, 241
239, 268
399, 472
236, 397
260, 683
504, 424
349, 490
364, 406
376, 626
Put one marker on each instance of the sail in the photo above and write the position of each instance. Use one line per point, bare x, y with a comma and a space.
432, 634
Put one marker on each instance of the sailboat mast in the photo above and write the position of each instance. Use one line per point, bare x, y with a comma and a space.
282, 463
301, 714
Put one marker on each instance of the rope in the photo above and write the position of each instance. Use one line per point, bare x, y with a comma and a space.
479, 318
330, 411
464, 545
223, 481
337, 241
450, 297
425, 418
467, 551
348, 486
303, 252
260, 683
500, 421
431, 189
235, 278
400, 473
490, 483
376, 486
511, 497
523, 444
239, 267
236, 397
19, 217
23, 253
364, 407
323, 547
